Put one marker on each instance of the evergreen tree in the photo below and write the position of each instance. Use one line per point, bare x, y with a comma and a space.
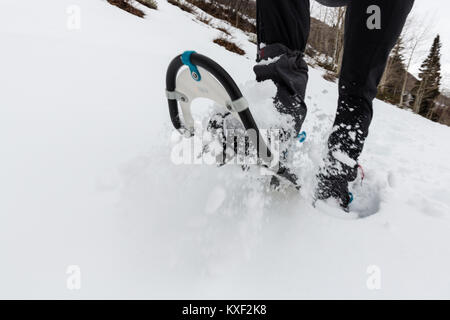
426, 89
391, 86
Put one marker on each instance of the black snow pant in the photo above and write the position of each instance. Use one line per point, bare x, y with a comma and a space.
367, 45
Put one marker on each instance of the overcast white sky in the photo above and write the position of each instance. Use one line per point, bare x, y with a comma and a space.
436, 13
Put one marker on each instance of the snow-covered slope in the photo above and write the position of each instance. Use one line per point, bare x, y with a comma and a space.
86, 177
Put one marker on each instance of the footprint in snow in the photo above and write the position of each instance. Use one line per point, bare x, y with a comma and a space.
367, 195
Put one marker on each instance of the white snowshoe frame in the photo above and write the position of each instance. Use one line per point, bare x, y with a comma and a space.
204, 78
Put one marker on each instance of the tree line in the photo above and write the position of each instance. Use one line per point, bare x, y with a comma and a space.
398, 85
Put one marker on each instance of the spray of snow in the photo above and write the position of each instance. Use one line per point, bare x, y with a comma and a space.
344, 158
87, 177
269, 61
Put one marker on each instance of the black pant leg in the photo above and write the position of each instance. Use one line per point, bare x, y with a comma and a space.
365, 56
283, 27
366, 50
283, 21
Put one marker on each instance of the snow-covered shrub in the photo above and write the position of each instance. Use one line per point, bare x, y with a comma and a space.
204, 18
182, 5
152, 4
127, 6
230, 46
224, 30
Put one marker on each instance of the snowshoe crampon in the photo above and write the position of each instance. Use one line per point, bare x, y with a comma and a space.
191, 76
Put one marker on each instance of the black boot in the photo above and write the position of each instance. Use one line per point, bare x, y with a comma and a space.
336, 187
289, 72
283, 29
345, 144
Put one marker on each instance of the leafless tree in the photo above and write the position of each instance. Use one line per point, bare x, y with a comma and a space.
415, 33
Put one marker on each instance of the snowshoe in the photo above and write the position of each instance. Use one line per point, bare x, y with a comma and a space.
204, 78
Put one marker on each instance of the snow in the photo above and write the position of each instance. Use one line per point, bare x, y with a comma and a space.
344, 158
87, 178
268, 61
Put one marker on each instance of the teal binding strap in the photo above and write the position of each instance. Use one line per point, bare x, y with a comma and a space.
301, 136
186, 59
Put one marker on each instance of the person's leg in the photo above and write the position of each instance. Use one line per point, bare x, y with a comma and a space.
366, 50
283, 29
283, 21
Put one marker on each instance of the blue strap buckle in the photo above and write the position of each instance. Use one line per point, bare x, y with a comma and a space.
186, 59
301, 136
